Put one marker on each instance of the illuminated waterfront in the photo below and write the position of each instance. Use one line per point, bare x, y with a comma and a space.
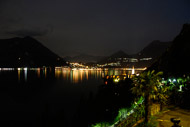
73, 75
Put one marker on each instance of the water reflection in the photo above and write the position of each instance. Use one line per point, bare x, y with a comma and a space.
45, 72
76, 76
19, 75
49, 93
38, 72
25, 74
67, 74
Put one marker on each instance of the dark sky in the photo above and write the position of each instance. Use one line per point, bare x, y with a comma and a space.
97, 27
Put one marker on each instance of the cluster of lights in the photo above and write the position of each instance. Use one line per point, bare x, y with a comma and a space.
25, 69
116, 80
145, 59
109, 64
78, 65
86, 69
123, 60
7, 69
19, 69
172, 82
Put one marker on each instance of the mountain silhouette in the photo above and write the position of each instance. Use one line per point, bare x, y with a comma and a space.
154, 50
119, 54
175, 61
83, 58
114, 57
26, 52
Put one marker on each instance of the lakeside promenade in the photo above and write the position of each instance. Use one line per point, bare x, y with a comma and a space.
163, 118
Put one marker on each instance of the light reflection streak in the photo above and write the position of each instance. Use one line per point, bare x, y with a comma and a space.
38, 72
86, 74
45, 71
74, 76
57, 73
25, 74
81, 75
65, 74
7, 69
77, 75
18, 75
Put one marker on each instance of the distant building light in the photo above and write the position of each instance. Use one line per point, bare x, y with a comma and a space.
133, 70
133, 60
116, 80
144, 59
25, 68
6, 69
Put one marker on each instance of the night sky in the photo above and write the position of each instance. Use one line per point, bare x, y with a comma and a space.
96, 27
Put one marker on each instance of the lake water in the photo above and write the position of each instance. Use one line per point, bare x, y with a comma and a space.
51, 97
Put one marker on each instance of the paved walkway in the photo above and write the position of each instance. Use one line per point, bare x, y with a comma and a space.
164, 118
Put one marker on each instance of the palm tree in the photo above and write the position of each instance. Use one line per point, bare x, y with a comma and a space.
148, 85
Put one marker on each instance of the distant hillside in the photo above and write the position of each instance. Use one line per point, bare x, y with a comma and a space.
154, 49
83, 58
118, 59
175, 61
119, 54
114, 57
151, 53
144, 58
26, 52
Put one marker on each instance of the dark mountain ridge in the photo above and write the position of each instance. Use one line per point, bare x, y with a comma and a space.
119, 54
83, 58
154, 49
114, 57
175, 61
26, 52
144, 58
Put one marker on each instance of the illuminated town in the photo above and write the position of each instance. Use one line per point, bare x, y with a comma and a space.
101, 63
